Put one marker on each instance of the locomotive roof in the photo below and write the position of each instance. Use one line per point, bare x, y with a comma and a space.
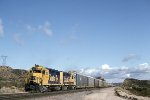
53, 69
57, 70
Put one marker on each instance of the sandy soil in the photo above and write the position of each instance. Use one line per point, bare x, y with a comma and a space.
101, 94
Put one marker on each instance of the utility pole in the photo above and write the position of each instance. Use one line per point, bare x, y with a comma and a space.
4, 58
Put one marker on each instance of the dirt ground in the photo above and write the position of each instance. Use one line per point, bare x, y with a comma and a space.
101, 94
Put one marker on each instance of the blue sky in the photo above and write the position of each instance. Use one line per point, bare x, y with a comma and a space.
77, 34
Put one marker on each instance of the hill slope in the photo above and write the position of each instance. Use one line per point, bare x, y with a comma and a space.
137, 87
12, 77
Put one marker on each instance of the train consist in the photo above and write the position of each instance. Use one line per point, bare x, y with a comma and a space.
46, 79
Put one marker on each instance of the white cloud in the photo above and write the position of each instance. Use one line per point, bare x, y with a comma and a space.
131, 57
128, 75
144, 66
1, 28
118, 74
142, 71
89, 71
46, 29
18, 38
124, 68
43, 28
30, 28
105, 67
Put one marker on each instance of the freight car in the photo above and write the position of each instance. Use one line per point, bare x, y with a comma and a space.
46, 79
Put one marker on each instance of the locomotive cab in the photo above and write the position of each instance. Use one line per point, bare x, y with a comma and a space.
39, 75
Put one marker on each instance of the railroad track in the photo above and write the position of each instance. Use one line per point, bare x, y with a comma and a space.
22, 96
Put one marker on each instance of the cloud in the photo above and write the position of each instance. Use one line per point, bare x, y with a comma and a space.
118, 74
1, 28
131, 57
18, 38
30, 28
71, 37
46, 29
144, 66
141, 71
128, 75
43, 28
106, 67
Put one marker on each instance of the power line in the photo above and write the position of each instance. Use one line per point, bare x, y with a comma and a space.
4, 58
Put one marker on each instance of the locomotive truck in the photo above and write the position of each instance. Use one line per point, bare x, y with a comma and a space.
44, 79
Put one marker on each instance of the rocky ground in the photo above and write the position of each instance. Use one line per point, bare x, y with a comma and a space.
128, 95
101, 94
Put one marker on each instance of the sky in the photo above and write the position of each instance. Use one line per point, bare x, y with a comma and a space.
96, 37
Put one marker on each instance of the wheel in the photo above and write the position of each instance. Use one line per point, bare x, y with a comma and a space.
71, 87
42, 89
64, 88
57, 88
27, 88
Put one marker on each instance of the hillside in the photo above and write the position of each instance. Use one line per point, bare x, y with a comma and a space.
137, 87
14, 78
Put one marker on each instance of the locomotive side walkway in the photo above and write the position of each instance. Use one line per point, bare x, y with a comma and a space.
101, 94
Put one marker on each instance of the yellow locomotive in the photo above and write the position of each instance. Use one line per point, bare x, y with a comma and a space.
43, 79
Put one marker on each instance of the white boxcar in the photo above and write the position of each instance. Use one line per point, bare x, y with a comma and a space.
90, 82
100, 83
96, 82
104, 84
81, 81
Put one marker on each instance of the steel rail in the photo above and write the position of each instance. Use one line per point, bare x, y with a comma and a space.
22, 96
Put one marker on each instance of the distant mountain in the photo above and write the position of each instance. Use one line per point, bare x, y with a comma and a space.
117, 84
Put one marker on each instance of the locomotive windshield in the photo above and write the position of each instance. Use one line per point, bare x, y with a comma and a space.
36, 71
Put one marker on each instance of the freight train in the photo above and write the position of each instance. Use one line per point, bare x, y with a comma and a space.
43, 79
